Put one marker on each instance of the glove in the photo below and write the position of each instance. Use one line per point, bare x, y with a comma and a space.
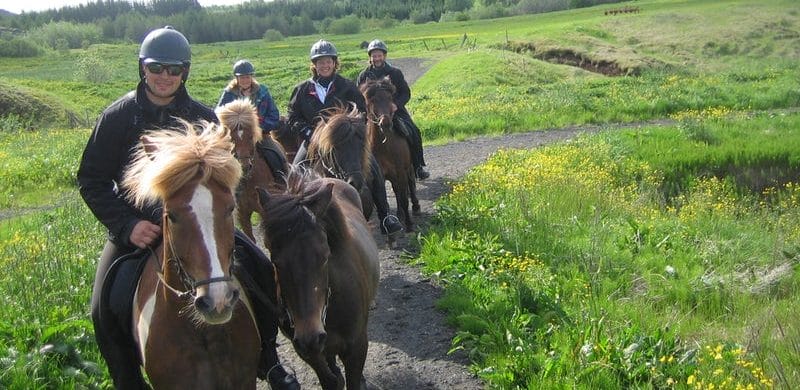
305, 133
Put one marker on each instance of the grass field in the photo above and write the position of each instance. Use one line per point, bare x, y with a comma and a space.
645, 257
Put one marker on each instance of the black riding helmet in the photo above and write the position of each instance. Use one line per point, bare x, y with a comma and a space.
377, 44
243, 67
323, 48
167, 46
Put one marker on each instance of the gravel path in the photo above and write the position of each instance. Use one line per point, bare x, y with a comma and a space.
409, 337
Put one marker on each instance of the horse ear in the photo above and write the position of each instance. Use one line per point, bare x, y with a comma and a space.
150, 147
319, 201
263, 197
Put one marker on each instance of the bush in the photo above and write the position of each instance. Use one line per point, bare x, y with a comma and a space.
91, 68
19, 47
525, 7
66, 35
347, 25
273, 35
423, 15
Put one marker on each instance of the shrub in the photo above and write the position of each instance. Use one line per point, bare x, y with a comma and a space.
19, 47
347, 25
273, 35
91, 68
66, 35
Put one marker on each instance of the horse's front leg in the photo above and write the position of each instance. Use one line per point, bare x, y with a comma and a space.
328, 378
412, 192
243, 215
354, 364
400, 189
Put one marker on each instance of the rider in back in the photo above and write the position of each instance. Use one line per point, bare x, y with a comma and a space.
307, 107
379, 68
245, 86
159, 98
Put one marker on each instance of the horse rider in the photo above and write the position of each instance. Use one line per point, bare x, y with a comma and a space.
159, 98
307, 108
378, 68
245, 86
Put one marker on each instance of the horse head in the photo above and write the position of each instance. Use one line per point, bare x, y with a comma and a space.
192, 175
339, 147
379, 95
241, 119
296, 225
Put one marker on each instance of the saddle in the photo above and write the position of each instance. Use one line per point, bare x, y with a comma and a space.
119, 286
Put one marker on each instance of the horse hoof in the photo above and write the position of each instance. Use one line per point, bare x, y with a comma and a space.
416, 209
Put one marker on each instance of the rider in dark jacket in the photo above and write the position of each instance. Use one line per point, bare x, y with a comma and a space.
159, 98
327, 89
378, 68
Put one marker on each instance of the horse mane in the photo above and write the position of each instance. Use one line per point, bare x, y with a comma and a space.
288, 216
240, 115
341, 125
181, 154
372, 87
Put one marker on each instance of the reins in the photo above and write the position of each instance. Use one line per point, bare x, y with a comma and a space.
189, 284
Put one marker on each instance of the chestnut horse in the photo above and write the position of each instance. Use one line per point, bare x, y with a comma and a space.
192, 322
241, 120
339, 148
389, 147
327, 266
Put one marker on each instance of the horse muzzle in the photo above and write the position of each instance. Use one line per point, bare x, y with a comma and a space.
215, 302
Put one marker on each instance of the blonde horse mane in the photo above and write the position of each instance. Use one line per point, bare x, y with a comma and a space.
166, 160
239, 115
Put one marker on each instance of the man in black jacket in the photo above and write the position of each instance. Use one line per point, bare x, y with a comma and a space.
159, 98
378, 68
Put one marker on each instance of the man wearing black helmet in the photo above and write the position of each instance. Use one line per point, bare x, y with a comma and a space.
379, 68
159, 98
245, 86
308, 104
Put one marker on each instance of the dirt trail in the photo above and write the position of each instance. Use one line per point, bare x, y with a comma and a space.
409, 337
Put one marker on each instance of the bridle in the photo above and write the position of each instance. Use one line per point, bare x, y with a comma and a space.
188, 283
331, 166
247, 169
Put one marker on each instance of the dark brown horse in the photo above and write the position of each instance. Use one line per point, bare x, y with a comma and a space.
191, 320
389, 147
327, 266
241, 120
289, 141
339, 148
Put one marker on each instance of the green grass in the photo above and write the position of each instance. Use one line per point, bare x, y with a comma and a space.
569, 266
644, 257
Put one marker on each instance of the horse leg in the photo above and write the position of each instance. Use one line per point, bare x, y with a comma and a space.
412, 192
244, 221
329, 379
354, 364
401, 196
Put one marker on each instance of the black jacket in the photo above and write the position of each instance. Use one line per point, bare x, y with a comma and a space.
402, 94
305, 109
109, 152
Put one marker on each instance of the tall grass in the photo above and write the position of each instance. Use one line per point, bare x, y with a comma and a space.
47, 339
569, 265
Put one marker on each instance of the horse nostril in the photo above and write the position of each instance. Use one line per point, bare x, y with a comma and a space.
234, 294
202, 304
321, 338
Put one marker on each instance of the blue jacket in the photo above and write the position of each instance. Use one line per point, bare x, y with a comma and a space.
268, 115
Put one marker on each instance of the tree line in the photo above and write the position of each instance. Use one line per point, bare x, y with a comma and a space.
29, 34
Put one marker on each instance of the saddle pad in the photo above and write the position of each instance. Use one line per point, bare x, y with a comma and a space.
119, 286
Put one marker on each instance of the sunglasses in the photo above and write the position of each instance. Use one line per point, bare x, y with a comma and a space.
158, 68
